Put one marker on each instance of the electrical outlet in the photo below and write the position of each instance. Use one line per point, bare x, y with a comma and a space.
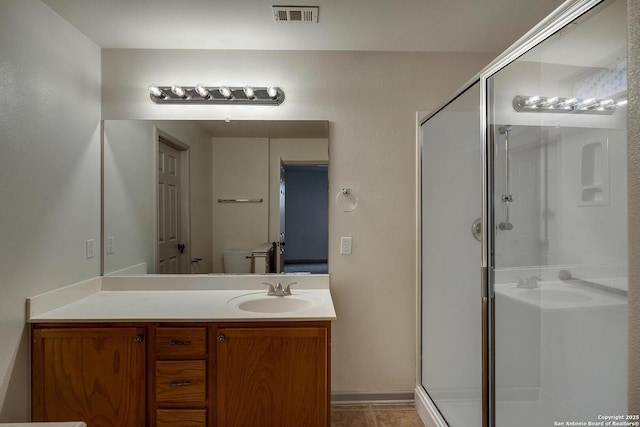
91, 248
345, 245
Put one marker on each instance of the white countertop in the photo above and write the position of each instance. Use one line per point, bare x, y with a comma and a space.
175, 298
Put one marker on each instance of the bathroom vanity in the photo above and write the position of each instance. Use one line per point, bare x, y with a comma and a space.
204, 354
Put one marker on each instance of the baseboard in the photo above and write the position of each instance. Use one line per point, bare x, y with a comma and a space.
427, 410
372, 398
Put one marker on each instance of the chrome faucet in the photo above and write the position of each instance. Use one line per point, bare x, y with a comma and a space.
278, 290
530, 283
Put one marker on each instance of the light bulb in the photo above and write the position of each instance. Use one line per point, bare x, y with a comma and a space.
550, 101
621, 103
179, 91
226, 92
587, 103
203, 91
532, 100
272, 91
606, 103
248, 91
157, 92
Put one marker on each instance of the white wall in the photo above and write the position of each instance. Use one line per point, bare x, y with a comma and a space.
49, 174
371, 99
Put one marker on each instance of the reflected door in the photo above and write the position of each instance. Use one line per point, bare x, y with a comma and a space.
170, 246
451, 202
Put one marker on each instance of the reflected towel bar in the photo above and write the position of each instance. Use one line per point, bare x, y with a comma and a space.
239, 200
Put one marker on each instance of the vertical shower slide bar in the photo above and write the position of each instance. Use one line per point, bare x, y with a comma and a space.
507, 198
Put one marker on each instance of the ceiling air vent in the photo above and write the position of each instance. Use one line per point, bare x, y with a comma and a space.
305, 14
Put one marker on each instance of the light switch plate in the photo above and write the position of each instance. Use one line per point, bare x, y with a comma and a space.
91, 248
345, 245
110, 243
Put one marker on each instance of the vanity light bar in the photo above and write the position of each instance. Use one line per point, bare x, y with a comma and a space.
556, 104
199, 94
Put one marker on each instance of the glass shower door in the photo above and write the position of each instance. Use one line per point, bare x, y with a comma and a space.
451, 202
558, 124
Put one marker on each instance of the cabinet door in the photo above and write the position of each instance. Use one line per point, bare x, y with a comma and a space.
96, 375
272, 377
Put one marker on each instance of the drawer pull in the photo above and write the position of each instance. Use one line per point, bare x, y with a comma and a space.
180, 384
177, 342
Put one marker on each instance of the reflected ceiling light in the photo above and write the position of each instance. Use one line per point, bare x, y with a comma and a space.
200, 94
557, 104
587, 103
550, 102
532, 100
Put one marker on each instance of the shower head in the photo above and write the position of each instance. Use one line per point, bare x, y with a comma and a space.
505, 129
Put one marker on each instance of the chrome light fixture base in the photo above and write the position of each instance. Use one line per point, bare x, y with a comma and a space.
212, 95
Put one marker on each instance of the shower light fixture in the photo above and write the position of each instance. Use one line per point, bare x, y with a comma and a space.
556, 104
200, 94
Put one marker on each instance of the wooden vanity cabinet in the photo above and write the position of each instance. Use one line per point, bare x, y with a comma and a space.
90, 373
273, 376
182, 393
258, 374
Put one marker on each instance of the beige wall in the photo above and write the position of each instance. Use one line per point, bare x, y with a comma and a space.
634, 204
49, 174
240, 171
370, 100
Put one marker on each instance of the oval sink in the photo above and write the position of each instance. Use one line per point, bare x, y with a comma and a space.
555, 295
262, 303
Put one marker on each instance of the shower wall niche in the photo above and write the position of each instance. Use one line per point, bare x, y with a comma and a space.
595, 173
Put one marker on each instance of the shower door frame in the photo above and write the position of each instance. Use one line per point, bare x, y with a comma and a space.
569, 11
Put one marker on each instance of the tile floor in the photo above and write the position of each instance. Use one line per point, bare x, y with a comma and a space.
390, 415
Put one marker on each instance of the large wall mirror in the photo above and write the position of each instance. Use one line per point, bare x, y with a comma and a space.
201, 197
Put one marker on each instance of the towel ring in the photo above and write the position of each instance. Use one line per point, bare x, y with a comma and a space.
346, 200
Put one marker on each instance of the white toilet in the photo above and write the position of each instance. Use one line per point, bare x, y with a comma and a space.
237, 260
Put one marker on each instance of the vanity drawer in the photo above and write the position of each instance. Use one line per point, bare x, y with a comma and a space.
181, 342
181, 417
181, 381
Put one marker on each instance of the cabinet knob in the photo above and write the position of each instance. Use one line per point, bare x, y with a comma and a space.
139, 338
221, 338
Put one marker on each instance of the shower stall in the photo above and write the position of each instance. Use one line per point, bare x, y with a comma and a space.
523, 232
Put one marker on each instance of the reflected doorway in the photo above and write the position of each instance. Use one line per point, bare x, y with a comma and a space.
304, 218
